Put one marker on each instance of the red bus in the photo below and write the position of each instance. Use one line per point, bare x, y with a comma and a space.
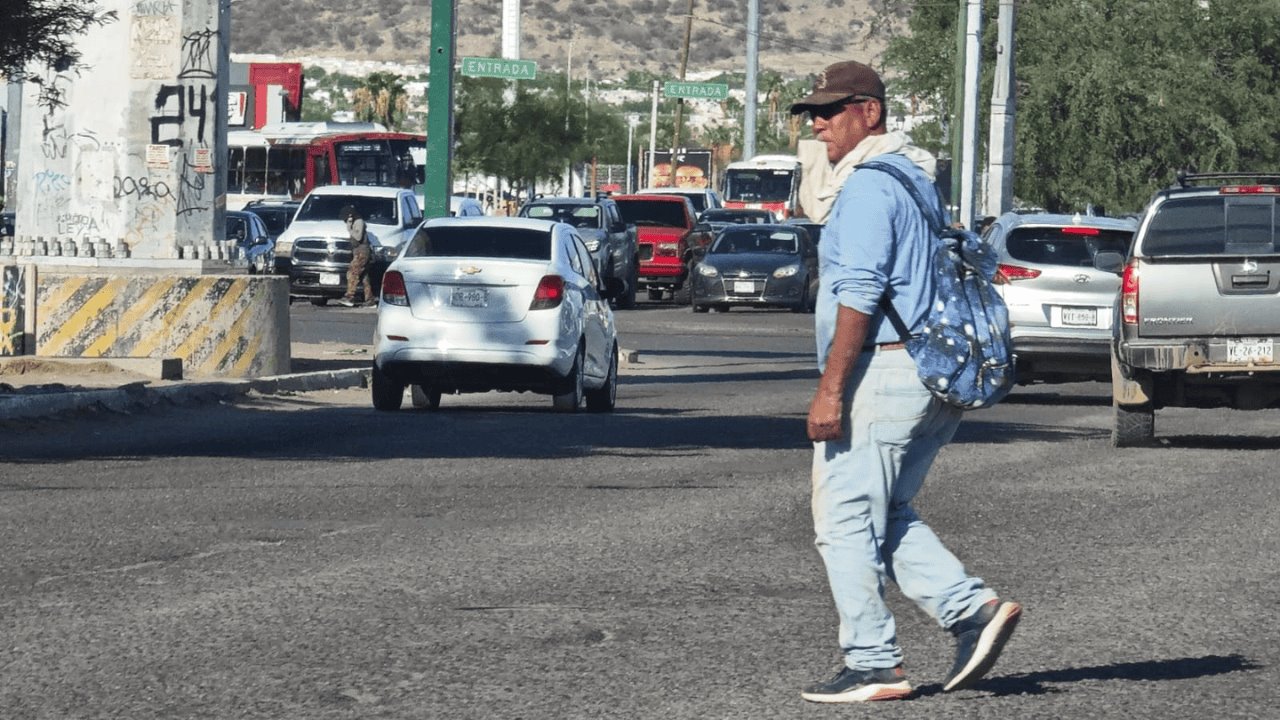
286, 161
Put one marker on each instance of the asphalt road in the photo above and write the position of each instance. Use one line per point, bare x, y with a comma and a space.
306, 557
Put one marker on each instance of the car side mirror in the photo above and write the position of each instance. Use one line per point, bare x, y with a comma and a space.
1112, 262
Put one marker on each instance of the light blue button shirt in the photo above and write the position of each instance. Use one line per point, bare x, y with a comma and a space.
876, 242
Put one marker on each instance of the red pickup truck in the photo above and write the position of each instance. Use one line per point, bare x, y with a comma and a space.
669, 238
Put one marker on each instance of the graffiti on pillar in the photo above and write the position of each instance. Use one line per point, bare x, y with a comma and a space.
153, 8
175, 104
151, 46
191, 188
197, 55
143, 188
50, 181
12, 305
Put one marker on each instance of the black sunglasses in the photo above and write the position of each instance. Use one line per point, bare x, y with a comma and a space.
826, 112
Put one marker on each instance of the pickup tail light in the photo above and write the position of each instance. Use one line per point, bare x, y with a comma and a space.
1006, 274
1129, 293
1250, 190
549, 294
393, 289
667, 249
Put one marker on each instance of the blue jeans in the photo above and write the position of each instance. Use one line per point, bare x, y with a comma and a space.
866, 529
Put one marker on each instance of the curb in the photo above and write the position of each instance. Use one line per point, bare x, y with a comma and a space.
139, 396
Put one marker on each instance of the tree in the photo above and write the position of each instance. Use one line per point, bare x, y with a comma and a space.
42, 33
382, 99
1116, 96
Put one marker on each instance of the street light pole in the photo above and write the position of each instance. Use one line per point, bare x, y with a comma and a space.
633, 119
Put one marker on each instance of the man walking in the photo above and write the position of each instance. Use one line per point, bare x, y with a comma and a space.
876, 428
361, 253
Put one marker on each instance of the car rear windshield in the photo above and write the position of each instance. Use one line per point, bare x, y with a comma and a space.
579, 216
660, 213
481, 242
1069, 246
1240, 225
276, 219
374, 210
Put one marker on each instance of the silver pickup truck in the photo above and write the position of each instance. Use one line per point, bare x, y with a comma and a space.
1196, 321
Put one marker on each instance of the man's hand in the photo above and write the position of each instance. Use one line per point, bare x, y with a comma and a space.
825, 413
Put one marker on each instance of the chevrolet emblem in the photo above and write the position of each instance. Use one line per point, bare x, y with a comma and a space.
469, 270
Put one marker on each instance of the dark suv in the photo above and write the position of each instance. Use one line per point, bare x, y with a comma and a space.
612, 242
1196, 322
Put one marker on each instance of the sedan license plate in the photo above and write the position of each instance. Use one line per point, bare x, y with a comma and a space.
1246, 351
330, 279
1080, 316
744, 287
469, 297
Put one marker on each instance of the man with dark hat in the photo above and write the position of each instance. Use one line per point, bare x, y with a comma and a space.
876, 428
361, 253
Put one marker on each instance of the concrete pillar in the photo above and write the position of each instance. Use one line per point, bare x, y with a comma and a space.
131, 147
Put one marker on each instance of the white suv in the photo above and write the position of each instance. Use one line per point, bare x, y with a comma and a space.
316, 248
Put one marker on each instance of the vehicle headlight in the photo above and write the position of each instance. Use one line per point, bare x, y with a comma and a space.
284, 248
706, 270
786, 271
592, 244
386, 253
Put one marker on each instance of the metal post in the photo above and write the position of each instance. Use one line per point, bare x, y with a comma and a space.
438, 183
752, 91
957, 111
653, 134
969, 155
633, 119
684, 65
1000, 146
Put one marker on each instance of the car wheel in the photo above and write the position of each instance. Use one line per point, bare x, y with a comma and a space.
387, 393
720, 308
1134, 425
803, 304
683, 294
424, 397
570, 397
655, 295
700, 308
606, 396
319, 302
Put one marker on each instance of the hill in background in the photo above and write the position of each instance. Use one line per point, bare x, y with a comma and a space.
797, 37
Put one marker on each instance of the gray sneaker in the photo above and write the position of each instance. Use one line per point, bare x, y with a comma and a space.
346, 302
979, 640
849, 686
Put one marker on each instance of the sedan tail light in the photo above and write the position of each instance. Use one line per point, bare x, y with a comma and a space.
549, 293
1006, 274
1129, 293
393, 289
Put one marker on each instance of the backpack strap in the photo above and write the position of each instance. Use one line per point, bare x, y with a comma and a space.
930, 219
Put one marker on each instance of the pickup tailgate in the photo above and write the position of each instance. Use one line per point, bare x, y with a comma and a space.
1225, 296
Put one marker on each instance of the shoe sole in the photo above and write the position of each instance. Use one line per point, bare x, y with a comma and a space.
990, 644
866, 693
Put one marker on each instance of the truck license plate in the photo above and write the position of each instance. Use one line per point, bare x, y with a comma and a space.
330, 279
469, 297
1080, 316
741, 287
1251, 350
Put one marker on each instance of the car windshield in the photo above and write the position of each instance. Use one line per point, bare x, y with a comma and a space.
736, 216
374, 210
237, 228
757, 185
1238, 225
660, 213
756, 241
481, 241
1070, 246
276, 219
579, 216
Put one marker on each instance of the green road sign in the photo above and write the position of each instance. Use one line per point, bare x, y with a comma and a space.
695, 90
499, 68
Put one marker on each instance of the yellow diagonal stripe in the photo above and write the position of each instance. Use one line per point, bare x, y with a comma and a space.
229, 300
148, 345
63, 292
241, 367
145, 304
76, 325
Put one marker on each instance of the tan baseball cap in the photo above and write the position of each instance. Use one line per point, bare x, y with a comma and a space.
840, 81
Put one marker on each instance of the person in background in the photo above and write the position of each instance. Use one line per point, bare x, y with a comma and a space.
361, 253
876, 429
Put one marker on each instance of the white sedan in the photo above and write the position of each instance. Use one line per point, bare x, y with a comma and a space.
495, 303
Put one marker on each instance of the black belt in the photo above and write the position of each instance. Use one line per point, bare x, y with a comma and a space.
883, 347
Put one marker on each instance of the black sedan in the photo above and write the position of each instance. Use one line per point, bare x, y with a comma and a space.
757, 265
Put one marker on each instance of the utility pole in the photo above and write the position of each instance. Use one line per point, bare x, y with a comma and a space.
438, 183
969, 130
684, 65
956, 124
1000, 146
753, 61
653, 135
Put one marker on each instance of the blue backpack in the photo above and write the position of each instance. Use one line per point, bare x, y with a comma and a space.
965, 355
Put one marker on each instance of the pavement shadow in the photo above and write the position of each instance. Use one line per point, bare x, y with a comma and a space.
980, 432
1039, 683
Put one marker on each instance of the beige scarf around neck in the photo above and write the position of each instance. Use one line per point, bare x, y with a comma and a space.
871, 146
